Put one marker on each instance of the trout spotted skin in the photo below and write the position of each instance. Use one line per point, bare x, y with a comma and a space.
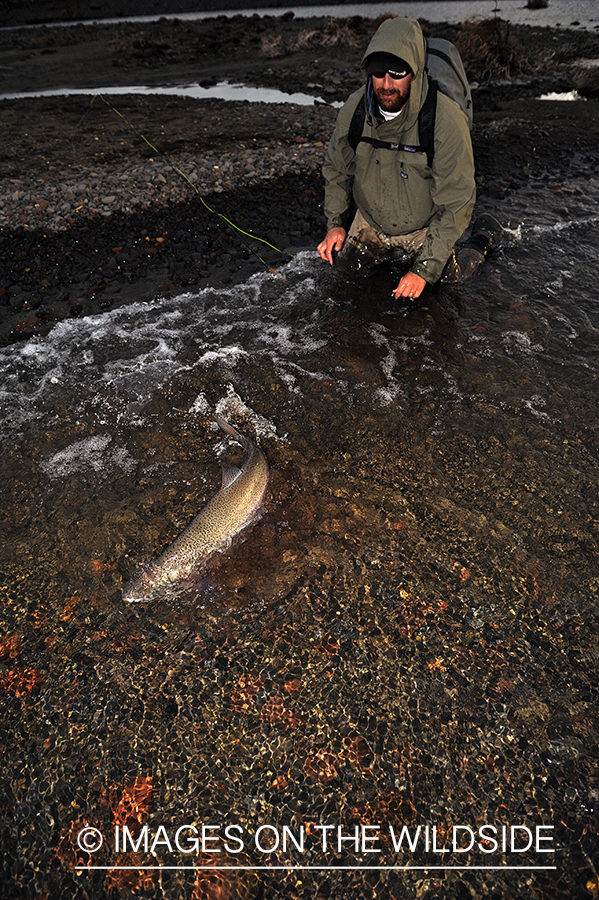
229, 512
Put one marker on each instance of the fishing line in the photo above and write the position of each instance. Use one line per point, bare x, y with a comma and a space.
236, 229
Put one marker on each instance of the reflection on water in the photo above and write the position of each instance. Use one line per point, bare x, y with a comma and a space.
221, 91
408, 636
557, 13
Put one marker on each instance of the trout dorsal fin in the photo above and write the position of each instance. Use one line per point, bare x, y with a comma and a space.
230, 475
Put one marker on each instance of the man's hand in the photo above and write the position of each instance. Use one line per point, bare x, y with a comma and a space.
333, 241
411, 285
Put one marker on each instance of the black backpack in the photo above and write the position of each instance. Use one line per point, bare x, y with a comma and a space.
446, 73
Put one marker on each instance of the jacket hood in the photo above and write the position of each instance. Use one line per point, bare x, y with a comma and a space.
403, 37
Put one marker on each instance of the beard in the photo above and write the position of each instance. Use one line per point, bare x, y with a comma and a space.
393, 100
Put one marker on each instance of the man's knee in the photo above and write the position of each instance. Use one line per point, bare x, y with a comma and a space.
485, 237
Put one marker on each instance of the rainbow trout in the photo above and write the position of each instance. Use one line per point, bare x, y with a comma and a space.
229, 512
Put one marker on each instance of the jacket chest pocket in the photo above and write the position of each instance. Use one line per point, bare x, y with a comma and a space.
394, 187
403, 187
405, 164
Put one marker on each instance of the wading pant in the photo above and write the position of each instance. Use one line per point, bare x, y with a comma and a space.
365, 248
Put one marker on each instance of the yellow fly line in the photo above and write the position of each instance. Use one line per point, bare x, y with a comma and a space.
191, 184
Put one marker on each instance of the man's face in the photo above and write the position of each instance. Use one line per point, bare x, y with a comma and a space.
392, 93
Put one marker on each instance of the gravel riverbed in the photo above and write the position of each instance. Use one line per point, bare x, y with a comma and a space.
54, 201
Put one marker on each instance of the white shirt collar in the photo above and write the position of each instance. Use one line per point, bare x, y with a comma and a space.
390, 115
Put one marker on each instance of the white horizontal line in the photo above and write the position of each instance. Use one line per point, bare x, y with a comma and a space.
318, 868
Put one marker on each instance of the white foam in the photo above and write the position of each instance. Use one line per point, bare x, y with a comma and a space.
378, 333
558, 227
232, 407
130, 353
272, 336
229, 355
533, 405
387, 395
519, 342
200, 406
88, 454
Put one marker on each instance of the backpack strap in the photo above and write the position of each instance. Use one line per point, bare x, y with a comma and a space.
426, 122
426, 128
354, 135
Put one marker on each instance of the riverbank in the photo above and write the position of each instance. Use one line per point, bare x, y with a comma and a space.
92, 217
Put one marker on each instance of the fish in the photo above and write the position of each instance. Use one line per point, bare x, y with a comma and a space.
230, 512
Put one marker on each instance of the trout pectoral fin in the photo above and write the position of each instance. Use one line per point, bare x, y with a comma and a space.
230, 475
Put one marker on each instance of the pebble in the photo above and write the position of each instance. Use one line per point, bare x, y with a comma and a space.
83, 191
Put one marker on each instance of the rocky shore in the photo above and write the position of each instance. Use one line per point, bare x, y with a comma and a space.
92, 216
85, 235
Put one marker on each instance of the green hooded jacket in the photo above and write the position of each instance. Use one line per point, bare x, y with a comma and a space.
396, 191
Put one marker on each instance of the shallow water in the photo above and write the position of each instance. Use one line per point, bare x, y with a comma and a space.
407, 637
221, 91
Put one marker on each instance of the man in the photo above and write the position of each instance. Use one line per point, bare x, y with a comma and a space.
403, 203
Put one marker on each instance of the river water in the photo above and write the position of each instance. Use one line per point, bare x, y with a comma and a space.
408, 636
558, 13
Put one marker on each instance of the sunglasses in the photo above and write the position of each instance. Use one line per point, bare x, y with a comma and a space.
396, 76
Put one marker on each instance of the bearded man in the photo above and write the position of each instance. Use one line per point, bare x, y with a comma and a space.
404, 201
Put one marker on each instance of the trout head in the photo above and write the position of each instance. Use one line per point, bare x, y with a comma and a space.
143, 585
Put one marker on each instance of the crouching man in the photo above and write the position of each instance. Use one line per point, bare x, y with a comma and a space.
405, 200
